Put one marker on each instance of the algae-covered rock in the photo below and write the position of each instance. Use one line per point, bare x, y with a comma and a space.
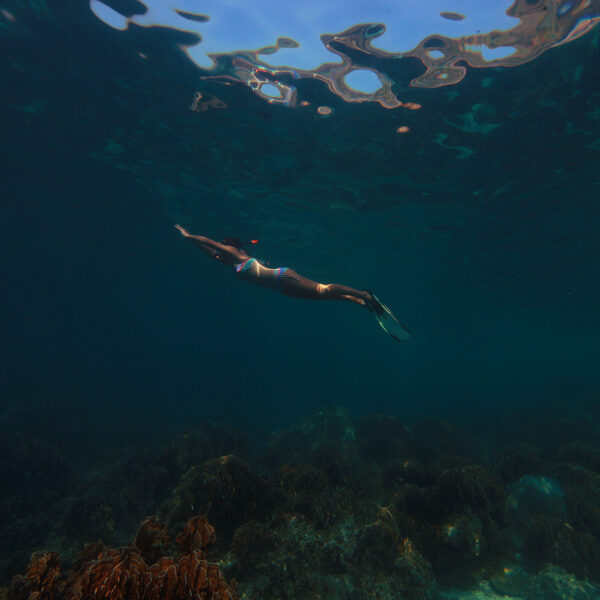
463, 533
226, 489
510, 580
534, 496
330, 427
555, 584
483, 591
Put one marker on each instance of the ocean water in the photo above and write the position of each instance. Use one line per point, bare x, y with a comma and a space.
465, 194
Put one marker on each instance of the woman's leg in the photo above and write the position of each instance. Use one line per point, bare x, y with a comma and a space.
336, 291
296, 286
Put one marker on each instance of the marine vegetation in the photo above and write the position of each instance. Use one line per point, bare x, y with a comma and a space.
334, 507
110, 574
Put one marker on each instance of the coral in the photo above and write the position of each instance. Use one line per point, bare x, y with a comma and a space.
582, 496
455, 522
197, 535
407, 471
226, 490
152, 539
376, 548
110, 500
88, 554
415, 501
204, 442
554, 584
463, 533
330, 427
344, 519
380, 549
113, 498
510, 580
418, 580
469, 487
251, 542
299, 561
107, 574
304, 490
163, 579
115, 575
454, 549
40, 582
553, 541
535, 496
190, 577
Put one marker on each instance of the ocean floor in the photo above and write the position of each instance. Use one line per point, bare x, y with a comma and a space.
334, 507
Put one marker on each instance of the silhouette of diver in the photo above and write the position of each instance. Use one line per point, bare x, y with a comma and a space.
290, 283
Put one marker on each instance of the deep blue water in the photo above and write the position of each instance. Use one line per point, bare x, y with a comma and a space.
116, 331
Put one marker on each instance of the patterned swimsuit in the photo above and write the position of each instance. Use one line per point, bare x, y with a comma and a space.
251, 270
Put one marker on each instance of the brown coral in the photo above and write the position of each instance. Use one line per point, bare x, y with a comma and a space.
191, 577
104, 573
197, 535
152, 539
164, 579
116, 575
40, 581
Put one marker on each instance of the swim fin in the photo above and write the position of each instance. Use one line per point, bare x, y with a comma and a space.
387, 320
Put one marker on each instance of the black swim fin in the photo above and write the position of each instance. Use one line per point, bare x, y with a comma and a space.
387, 320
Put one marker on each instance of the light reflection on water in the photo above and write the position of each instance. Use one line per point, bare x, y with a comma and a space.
300, 42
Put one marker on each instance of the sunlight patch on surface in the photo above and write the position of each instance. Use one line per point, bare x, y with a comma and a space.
269, 46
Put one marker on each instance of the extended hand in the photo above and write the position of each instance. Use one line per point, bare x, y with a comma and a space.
184, 232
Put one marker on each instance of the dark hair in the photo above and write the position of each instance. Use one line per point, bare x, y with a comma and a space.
237, 243
233, 241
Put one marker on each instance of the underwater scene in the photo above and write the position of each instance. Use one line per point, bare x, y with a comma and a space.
300, 301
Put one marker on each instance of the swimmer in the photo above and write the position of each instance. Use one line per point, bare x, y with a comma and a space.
290, 283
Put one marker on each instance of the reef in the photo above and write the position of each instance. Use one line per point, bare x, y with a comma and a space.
334, 507
114, 574
51, 502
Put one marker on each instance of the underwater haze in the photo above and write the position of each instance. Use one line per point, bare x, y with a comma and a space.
448, 160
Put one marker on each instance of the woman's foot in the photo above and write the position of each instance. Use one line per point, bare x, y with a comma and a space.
364, 299
371, 303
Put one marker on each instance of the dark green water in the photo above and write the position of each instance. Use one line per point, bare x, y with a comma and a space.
485, 244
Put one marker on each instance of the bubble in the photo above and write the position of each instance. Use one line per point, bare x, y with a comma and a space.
324, 110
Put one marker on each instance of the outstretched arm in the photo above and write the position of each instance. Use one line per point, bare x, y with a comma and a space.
212, 248
209, 246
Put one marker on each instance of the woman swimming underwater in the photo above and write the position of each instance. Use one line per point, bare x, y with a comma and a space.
290, 283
